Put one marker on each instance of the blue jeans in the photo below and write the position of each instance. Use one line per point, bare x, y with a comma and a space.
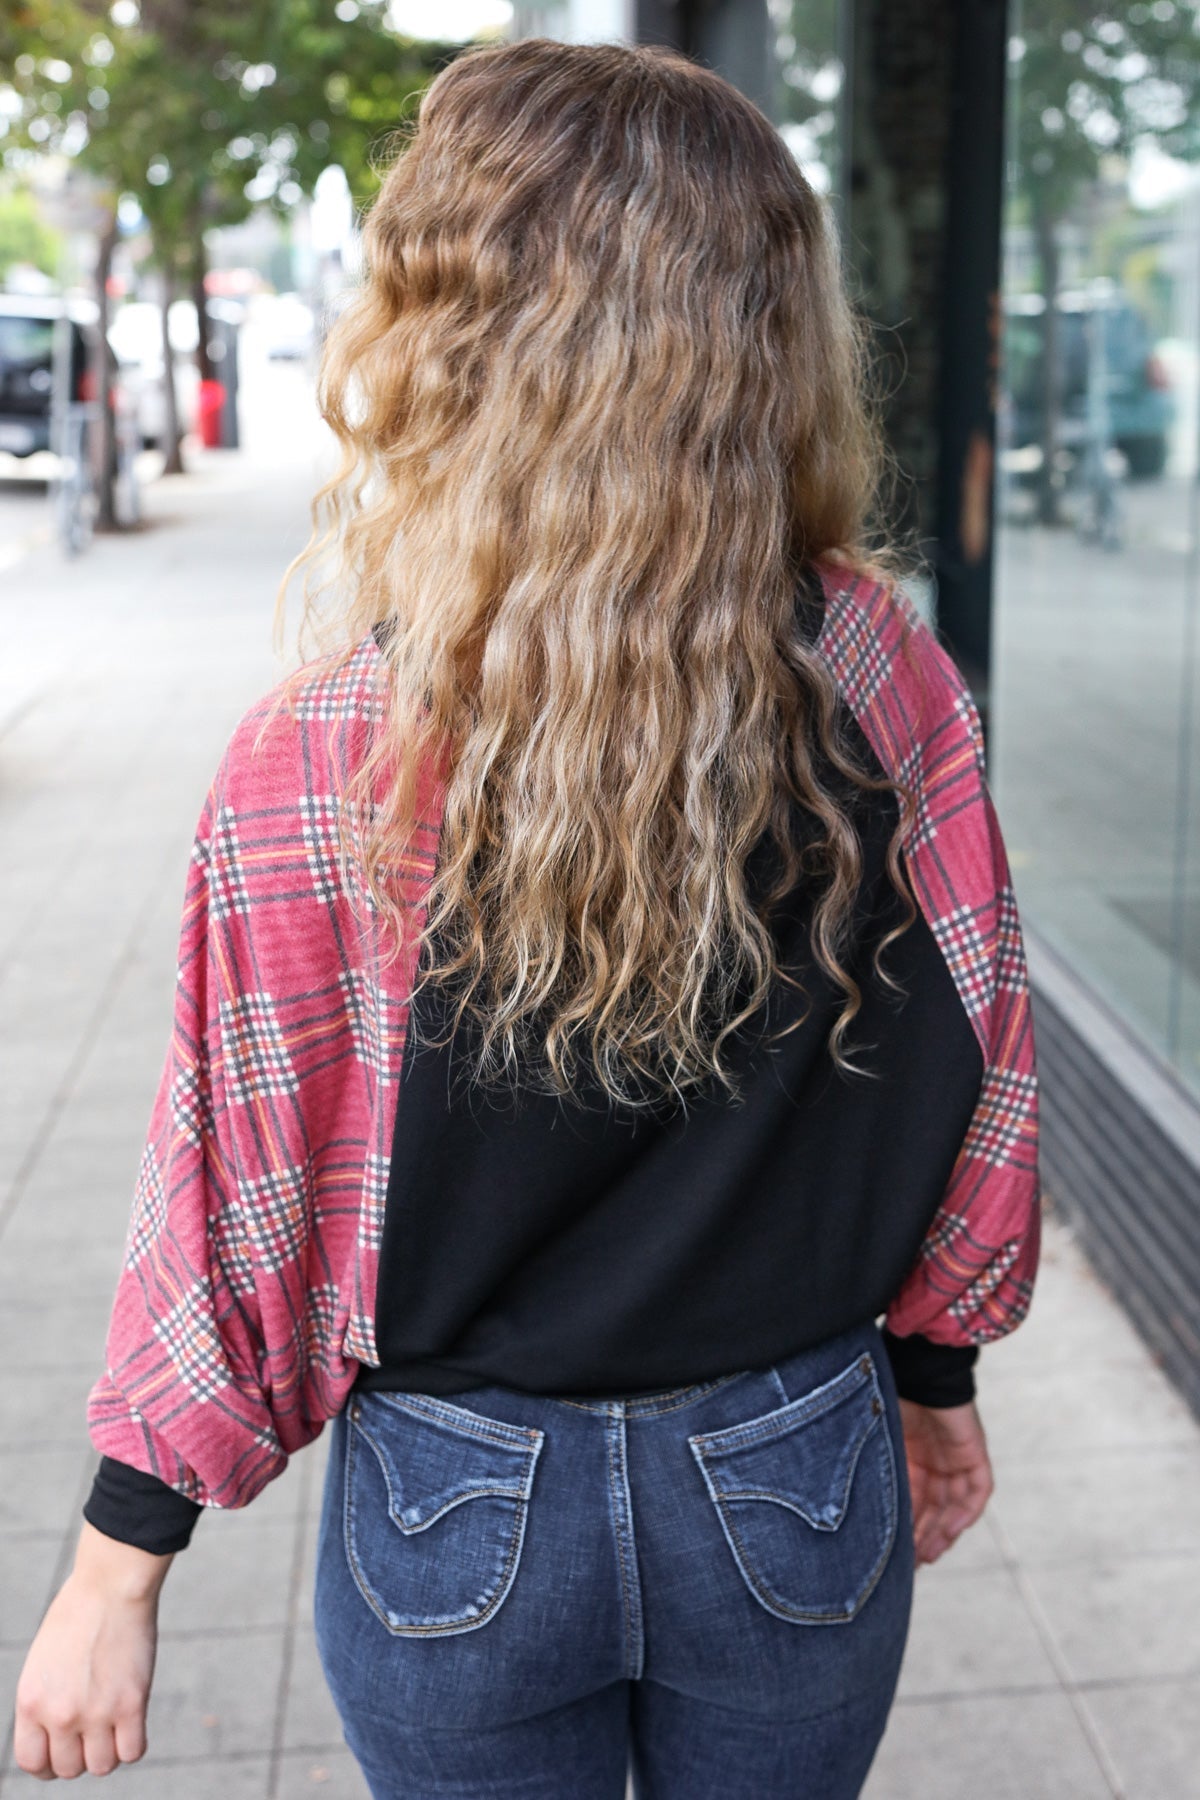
711, 1586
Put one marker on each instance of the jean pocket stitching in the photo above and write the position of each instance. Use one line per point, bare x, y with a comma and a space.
519, 1496
782, 1419
793, 1418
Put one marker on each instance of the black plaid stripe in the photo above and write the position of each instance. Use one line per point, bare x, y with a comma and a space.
360, 1338
363, 1000
968, 714
256, 1057
320, 1322
348, 693
374, 1197
924, 826
227, 890
319, 826
275, 1209
947, 1225
1012, 974
985, 1286
191, 1103
860, 660
149, 1214
228, 1249
1004, 1115
967, 957
188, 1332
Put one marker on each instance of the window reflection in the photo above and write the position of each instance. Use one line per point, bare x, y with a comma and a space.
1096, 755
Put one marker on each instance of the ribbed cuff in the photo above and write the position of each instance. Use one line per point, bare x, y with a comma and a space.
135, 1508
929, 1373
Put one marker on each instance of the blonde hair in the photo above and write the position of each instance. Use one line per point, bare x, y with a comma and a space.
602, 400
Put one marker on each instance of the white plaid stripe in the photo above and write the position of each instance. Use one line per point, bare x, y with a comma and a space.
986, 1283
320, 1319
275, 1212
966, 952
149, 1214
319, 824
924, 825
188, 1333
227, 889
966, 710
348, 693
374, 1195
1004, 1113
363, 999
1012, 974
191, 1106
861, 663
360, 1338
228, 1249
256, 1058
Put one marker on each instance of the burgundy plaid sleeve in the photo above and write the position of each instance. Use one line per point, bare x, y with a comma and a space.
245, 1297
973, 1278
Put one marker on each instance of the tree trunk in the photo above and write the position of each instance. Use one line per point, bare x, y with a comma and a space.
1046, 232
103, 447
200, 300
172, 436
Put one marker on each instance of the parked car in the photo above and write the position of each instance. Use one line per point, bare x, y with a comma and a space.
1137, 387
136, 335
27, 332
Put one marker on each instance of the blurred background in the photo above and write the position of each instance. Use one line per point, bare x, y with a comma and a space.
1017, 192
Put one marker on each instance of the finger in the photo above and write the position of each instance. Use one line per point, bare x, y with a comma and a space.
66, 1753
31, 1747
100, 1750
131, 1735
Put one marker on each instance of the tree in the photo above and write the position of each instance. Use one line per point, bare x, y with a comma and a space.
203, 112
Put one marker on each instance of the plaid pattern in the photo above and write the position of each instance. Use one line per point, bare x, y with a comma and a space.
973, 1278
246, 1300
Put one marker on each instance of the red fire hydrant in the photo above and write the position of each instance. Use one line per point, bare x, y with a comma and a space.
210, 398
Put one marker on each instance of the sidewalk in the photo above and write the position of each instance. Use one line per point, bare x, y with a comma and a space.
1055, 1652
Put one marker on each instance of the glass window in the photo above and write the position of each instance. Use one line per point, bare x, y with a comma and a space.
1096, 751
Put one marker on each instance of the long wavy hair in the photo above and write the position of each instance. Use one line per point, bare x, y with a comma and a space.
602, 401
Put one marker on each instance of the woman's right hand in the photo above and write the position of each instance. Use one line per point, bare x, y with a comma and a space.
85, 1685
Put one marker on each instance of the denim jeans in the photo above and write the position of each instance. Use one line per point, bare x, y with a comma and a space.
709, 1587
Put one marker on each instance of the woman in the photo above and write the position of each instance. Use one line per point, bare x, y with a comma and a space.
627, 757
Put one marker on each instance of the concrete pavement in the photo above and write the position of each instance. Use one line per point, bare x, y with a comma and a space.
1054, 1653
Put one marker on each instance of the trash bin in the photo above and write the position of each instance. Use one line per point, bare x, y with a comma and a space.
210, 398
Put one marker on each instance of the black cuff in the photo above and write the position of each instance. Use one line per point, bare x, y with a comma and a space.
929, 1373
135, 1508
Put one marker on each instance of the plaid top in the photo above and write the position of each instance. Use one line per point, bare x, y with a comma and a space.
244, 1305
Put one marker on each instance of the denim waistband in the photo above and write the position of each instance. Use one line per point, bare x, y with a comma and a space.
633, 1406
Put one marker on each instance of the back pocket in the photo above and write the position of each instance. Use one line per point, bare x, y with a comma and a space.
435, 1507
806, 1495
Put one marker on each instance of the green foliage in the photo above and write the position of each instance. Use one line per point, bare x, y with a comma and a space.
204, 111
24, 238
1089, 84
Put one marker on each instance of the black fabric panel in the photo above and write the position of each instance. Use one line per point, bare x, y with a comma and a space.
580, 1249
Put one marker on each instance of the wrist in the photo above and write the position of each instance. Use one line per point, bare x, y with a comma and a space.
116, 1570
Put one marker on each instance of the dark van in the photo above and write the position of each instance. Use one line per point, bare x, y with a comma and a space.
27, 331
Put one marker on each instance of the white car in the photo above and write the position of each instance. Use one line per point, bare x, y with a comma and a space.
135, 333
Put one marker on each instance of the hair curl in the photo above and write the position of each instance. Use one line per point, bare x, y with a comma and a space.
602, 401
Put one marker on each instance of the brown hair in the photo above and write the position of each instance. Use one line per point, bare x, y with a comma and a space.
602, 398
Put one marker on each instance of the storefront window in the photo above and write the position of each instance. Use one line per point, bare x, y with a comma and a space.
1096, 746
